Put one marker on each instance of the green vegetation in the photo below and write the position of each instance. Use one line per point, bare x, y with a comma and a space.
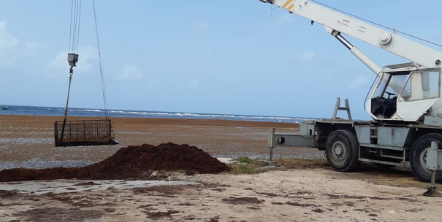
245, 159
242, 168
246, 165
181, 171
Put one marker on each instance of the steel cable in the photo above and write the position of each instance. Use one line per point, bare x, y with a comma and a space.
100, 63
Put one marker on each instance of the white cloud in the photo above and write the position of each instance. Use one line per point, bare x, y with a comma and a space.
286, 19
31, 47
185, 83
59, 65
131, 72
194, 83
12, 49
360, 81
208, 54
202, 26
306, 56
6, 40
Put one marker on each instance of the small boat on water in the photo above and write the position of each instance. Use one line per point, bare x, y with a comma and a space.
5, 108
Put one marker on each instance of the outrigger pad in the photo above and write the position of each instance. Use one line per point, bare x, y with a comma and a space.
84, 133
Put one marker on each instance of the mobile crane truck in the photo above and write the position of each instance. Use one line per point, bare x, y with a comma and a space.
405, 102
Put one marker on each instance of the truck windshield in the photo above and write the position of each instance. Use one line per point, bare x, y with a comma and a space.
421, 84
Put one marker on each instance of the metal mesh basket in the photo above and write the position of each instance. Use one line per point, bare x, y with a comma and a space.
84, 133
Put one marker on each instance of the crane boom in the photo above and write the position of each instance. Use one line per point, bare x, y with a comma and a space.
336, 23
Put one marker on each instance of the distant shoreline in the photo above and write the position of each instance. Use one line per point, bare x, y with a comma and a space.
87, 112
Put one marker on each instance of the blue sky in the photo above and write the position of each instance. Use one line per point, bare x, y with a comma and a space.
232, 57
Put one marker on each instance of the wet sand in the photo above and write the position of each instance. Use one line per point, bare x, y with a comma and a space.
28, 141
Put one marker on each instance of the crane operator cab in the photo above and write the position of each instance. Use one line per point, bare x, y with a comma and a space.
405, 92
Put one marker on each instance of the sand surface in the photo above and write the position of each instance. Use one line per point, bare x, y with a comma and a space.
290, 195
28, 141
301, 194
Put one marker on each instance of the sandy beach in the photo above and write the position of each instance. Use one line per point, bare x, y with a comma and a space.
30, 139
302, 193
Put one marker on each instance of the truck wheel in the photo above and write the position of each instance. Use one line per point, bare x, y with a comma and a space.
418, 155
342, 150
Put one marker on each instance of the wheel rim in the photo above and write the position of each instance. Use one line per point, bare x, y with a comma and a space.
423, 159
338, 151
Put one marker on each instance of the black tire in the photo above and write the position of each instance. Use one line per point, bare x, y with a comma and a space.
342, 150
417, 157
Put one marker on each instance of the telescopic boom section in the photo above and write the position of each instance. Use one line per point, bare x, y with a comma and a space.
336, 23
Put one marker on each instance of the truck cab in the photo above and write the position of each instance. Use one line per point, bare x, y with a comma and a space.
404, 92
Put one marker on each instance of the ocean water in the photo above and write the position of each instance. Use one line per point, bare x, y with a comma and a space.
58, 111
